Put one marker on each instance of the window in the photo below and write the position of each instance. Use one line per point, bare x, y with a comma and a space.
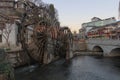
0, 38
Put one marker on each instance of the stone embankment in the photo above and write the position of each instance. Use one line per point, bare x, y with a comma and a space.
88, 53
18, 58
80, 49
79, 46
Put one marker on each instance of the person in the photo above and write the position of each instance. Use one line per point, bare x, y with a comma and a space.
6, 70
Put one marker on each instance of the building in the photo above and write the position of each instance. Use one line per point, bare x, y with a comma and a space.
82, 33
75, 36
95, 19
7, 7
9, 33
8, 27
99, 22
95, 22
9, 14
109, 31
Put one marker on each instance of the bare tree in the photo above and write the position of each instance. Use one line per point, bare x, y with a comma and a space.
6, 27
5, 32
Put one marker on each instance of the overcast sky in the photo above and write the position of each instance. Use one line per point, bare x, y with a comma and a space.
73, 13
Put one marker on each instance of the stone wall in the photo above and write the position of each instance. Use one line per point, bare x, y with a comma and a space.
18, 58
12, 36
79, 46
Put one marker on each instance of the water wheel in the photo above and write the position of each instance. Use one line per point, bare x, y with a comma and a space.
40, 34
66, 40
39, 42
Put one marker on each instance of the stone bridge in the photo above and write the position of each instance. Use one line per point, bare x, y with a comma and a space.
107, 46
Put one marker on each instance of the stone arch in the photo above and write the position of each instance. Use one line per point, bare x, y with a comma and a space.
97, 49
115, 52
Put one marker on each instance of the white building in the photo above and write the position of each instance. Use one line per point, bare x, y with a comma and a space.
10, 33
95, 22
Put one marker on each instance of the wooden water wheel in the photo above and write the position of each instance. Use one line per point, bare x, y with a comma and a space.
67, 42
42, 48
40, 39
45, 43
40, 42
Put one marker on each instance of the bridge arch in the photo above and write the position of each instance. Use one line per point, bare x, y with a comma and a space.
97, 49
115, 52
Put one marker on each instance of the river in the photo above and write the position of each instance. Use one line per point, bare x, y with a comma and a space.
78, 68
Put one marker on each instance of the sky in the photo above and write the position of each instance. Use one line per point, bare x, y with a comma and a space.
73, 13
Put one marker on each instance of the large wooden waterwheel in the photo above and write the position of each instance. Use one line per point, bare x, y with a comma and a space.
42, 46
66, 40
40, 37
39, 42
45, 43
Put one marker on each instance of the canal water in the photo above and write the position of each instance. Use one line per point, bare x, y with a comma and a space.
78, 68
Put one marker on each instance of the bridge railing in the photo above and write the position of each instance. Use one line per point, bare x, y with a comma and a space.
104, 41
106, 38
